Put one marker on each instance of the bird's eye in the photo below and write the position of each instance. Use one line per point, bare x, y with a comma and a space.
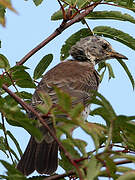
105, 46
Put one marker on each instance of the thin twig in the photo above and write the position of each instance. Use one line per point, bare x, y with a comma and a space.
123, 162
31, 109
116, 5
88, 26
130, 150
37, 48
61, 175
64, 25
55, 177
6, 140
11, 81
63, 11
104, 164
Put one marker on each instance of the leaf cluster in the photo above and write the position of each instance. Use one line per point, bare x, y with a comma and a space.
114, 142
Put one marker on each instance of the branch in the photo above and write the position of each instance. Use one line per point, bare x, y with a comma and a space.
64, 25
55, 177
116, 5
30, 108
61, 175
123, 162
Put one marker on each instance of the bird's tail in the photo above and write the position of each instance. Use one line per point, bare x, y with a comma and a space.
39, 156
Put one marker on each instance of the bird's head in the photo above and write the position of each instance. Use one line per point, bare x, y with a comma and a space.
94, 49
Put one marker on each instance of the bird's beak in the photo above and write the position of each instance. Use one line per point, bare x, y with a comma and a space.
117, 55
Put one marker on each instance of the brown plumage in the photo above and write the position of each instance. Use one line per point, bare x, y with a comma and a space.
77, 78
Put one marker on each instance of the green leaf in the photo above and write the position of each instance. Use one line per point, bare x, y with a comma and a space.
10, 100
110, 166
71, 2
65, 127
102, 75
2, 15
127, 176
104, 65
94, 130
12, 172
47, 103
42, 66
130, 3
82, 3
4, 62
116, 15
14, 154
4, 148
93, 168
127, 4
23, 79
106, 105
72, 40
2, 145
16, 117
127, 72
69, 146
37, 2
34, 131
123, 169
124, 128
64, 100
24, 95
100, 111
129, 157
18, 68
15, 142
25, 83
101, 65
81, 145
57, 15
76, 111
115, 35
27, 124
110, 70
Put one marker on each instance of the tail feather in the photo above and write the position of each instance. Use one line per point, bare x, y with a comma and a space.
42, 157
48, 162
26, 165
53, 159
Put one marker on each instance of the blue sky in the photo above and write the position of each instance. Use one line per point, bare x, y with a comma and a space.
32, 25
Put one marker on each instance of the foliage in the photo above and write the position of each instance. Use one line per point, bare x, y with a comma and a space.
41, 67
114, 142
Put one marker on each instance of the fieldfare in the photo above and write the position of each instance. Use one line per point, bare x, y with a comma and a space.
78, 78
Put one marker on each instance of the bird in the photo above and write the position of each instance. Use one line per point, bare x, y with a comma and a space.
77, 77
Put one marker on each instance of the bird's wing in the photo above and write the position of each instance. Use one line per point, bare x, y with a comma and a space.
77, 79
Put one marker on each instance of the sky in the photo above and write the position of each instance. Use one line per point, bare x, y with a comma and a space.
32, 25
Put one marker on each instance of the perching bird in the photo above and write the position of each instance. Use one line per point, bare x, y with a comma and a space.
76, 77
